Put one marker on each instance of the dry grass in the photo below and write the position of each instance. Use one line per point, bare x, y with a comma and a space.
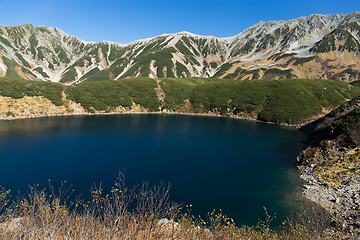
140, 213
340, 168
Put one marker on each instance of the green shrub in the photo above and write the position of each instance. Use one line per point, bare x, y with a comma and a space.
352, 118
303, 60
110, 94
18, 88
223, 69
222, 94
180, 69
179, 89
41, 71
213, 65
69, 76
25, 63
10, 64
293, 100
278, 72
5, 41
287, 100
327, 44
97, 75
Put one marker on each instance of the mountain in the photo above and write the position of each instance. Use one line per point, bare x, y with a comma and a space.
317, 46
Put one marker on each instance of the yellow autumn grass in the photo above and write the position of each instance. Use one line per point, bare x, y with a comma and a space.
140, 213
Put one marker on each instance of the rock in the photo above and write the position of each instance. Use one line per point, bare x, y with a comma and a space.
164, 222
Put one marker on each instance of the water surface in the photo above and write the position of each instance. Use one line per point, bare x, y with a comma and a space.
212, 163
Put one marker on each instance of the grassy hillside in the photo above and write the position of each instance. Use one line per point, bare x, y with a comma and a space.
18, 88
286, 100
107, 95
179, 89
293, 100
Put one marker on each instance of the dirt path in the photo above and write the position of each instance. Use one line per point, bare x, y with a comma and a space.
160, 93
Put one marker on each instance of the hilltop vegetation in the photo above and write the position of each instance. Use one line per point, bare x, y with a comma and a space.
285, 100
18, 88
107, 95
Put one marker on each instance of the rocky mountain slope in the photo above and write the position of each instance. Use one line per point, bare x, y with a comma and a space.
317, 46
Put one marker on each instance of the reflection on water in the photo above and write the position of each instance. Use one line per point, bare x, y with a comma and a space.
212, 163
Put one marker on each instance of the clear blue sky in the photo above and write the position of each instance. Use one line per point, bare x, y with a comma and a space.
126, 21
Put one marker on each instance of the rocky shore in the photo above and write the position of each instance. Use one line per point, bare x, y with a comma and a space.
342, 202
330, 164
332, 180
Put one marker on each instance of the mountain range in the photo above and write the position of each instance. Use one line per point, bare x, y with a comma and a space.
316, 46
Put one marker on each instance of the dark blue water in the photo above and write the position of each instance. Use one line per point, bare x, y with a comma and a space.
212, 163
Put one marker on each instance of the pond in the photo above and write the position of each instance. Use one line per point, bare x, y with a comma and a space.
211, 163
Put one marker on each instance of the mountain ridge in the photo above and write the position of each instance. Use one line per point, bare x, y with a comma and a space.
315, 46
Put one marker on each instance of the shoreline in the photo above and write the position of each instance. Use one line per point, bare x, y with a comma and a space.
39, 115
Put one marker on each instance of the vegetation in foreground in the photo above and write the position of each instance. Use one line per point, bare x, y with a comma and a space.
143, 213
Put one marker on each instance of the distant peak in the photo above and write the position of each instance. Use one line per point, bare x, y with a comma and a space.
27, 25
186, 33
112, 43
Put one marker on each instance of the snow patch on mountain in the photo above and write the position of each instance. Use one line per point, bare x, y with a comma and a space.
128, 66
153, 69
3, 67
112, 43
174, 40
